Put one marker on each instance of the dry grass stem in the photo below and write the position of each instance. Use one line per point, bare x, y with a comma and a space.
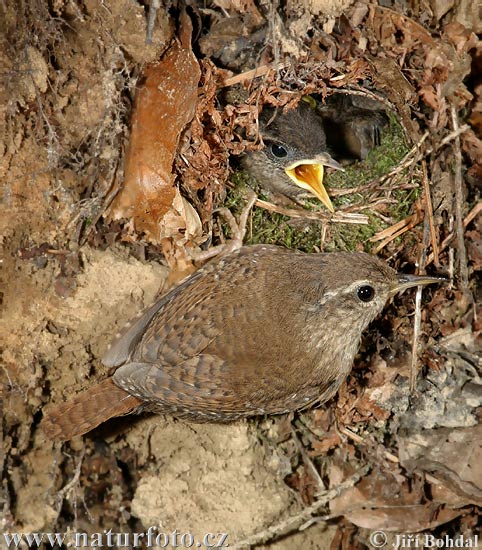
459, 200
338, 217
429, 210
476, 210
405, 225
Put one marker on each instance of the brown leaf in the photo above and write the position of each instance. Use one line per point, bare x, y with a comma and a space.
165, 103
322, 446
472, 145
453, 456
380, 501
430, 97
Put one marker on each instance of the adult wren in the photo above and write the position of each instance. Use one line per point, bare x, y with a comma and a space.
259, 330
294, 154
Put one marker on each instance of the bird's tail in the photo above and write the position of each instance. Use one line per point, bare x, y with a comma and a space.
87, 410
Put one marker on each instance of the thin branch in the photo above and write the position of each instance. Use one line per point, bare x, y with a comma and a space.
295, 522
459, 200
359, 439
337, 217
63, 493
410, 223
308, 462
476, 210
450, 137
412, 157
429, 211
417, 321
416, 154
394, 229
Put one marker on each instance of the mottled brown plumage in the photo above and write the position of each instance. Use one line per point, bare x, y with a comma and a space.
353, 125
88, 409
261, 330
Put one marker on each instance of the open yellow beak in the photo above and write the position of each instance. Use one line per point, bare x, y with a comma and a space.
308, 174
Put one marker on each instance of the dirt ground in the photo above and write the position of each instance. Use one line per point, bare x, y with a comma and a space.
69, 70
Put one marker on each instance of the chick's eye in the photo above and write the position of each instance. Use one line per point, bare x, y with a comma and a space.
365, 293
278, 150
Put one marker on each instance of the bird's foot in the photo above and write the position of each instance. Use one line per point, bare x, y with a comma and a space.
238, 230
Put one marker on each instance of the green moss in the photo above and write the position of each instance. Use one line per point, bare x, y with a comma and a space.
270, 227
273, 228
379, 161
355, 237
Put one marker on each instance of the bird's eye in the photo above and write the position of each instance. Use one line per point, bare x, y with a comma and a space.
365, 293
278, 150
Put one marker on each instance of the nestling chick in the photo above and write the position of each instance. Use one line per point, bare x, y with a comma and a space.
353, 125
295, 152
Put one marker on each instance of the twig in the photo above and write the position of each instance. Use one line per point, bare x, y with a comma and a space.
417, 321
340, 192
323, 231
395, 228
308, 463
450, 137
294, 522
359, 439
416, 153
413, 156
476, 210
71, 484
252, 74
338, 217
363, 92
451, 252
409, 159
410, 223
429, 211
459, 229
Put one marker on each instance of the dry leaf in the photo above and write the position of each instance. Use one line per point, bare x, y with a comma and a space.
165, 103
381, 501
453, 456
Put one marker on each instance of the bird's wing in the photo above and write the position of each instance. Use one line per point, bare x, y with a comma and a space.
188, 319
126, 341
201, 388
196, 386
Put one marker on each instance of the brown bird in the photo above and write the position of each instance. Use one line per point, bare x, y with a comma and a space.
353, 125
295, 152
261, 330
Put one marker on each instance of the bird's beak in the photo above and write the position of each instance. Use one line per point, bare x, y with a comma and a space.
405, 281
308, 174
